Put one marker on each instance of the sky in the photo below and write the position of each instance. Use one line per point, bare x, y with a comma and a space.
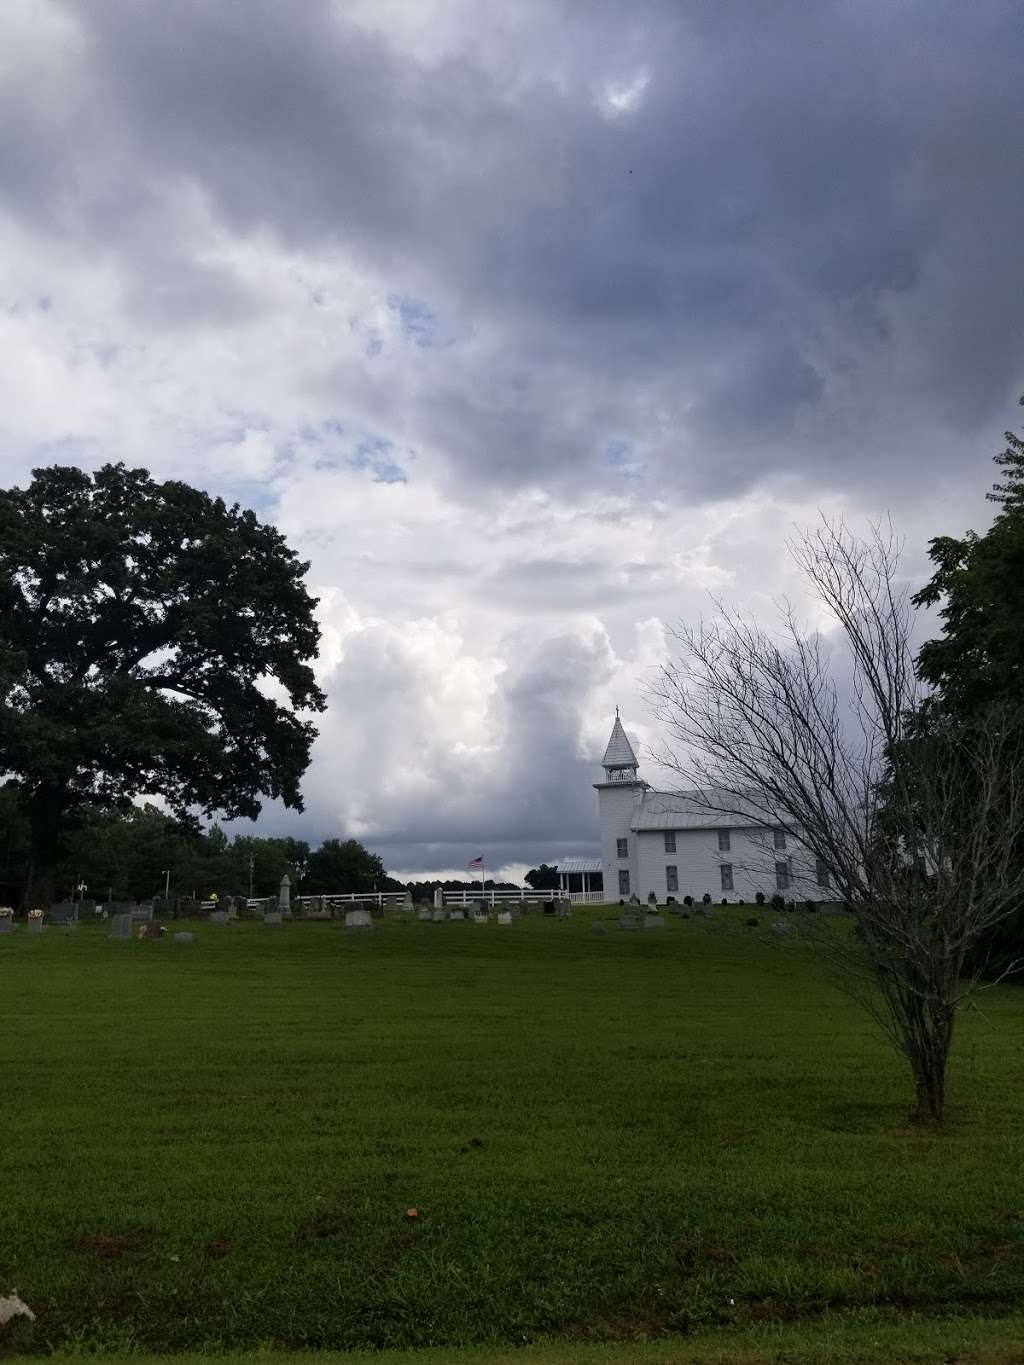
530, 326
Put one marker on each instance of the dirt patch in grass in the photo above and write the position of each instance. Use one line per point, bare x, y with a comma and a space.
109, 1246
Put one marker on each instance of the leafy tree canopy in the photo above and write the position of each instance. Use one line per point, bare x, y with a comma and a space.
543, 878
979, 580
346, 866
152, 640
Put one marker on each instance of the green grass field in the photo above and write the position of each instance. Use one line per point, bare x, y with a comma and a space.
608, 1139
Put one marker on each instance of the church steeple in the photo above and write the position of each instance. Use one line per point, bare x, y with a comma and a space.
619, 762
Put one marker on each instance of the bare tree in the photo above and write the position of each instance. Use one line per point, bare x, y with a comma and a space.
917, 819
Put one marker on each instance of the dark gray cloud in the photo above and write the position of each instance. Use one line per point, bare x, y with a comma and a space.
673, 254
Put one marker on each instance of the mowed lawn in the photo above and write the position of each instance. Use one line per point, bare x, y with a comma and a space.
605, 1137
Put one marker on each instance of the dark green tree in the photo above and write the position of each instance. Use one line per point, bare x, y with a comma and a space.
543, 878
977, 664
346, 866
153, 639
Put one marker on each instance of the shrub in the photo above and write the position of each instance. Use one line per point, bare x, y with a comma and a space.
687, 900
706, 898
671, 900
753, 922
778, 902
725, 900
759, 898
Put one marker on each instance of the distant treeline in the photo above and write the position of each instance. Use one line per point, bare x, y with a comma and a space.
128, 855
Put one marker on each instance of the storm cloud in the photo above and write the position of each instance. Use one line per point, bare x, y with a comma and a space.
529, 325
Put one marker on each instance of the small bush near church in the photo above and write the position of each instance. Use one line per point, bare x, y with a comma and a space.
706, 898
753, 922
778, 902
687, 900
725, 900
759, 898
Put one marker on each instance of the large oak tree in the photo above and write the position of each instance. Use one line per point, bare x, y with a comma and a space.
153, 639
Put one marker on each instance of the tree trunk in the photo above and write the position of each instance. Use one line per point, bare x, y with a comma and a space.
47, 808
928, 1060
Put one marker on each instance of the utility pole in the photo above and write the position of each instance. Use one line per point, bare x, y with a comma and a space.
252, 864
167, 884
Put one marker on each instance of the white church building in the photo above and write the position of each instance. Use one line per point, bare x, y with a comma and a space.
676, 844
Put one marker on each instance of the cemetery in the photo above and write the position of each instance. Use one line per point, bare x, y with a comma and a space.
476, 1128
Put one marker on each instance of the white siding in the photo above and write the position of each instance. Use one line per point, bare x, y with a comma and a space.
697, 856
616, 803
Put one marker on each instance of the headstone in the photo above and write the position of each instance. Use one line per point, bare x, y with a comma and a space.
6, 924
439, 898
504, 916
630, 920
64, 913
358, 919
376, 911
272, 917
407, 902
456, 914
121, 926
35, 926
596, 927
516, 912
439, 914
562, 909
654, 922
218, 917
424, 912
284, 894
151, 931
480, 917
634, 899
184, 937
781, 928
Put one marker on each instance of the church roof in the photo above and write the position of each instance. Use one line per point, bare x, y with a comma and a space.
619, 753
696, 810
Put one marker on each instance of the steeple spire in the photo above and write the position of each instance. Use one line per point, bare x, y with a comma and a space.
619, 762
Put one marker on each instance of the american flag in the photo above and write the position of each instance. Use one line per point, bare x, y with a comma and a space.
476, 862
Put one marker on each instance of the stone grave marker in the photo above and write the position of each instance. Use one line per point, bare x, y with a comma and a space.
456, 914
629, 919
6, 924
654, 922
121, 926
358, 919
504, 916
596, 927
184, 937
64, 913
424, 912
35, 926
439, 914
218, 917
273, 917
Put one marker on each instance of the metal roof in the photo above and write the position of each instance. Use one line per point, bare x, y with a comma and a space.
619, 753
696, 810
579, 865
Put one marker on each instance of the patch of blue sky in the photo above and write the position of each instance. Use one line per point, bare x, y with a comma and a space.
417, 321
621, 455
369, 453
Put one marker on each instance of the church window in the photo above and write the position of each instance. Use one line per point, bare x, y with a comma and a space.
670, 841
780, 838
726, 870
723, 841
623, 882
782, 876
821, 867
622, 848
671, 878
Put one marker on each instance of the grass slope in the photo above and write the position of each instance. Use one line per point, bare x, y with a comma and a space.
215, 1145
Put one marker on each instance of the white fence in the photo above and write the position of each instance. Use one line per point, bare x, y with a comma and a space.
466, 897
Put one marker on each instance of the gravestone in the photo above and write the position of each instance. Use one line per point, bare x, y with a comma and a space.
218, 917
35, 926
504, 916
272, 917
456, 914
64, 913
634, 899
6, 924
629, 919
424, 912
562, 909
596, 927
439, 914
184, 937
480, 917
121, 926
654, 922
516, 912
376, 911
781, 928
439, 898
358, 919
